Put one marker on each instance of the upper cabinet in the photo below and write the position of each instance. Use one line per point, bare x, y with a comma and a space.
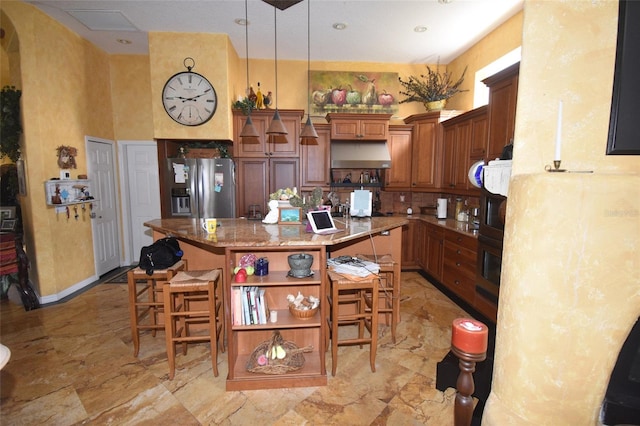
314, 159
503, 91
267, 145
427, 149
361, 127
465, 141
399, 144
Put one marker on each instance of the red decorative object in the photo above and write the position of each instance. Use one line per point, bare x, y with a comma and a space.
469, 335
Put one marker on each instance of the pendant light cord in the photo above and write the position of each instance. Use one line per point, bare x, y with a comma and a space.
246, 42
309, 58
275, 38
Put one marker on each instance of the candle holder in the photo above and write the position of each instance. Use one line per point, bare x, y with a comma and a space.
469, 344
465, 386
556, 167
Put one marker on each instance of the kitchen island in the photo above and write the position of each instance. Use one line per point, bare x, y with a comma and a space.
236, 238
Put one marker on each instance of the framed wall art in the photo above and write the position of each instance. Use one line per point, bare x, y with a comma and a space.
355, 92
290, 215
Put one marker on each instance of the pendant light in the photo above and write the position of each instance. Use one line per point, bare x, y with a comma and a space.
276, 127
249, 130
309, 132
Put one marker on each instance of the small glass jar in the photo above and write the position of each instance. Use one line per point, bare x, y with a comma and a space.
458, 208
262, 267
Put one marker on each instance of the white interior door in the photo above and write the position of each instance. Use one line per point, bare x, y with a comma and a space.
106, 235
141, 192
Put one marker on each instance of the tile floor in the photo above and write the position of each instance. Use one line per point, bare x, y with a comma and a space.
72, 363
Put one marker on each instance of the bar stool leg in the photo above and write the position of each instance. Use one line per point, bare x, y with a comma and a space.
334, 328
170, 329
374, 326
212, 300
133, 313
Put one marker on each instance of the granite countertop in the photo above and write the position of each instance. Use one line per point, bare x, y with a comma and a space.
253, 233
450, 224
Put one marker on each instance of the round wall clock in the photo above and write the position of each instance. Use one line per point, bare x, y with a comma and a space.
189, 98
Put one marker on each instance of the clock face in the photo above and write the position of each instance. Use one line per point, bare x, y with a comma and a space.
189, 98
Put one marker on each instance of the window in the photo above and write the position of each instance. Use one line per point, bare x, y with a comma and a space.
480, 90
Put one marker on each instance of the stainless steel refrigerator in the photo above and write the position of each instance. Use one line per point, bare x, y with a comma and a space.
201, 187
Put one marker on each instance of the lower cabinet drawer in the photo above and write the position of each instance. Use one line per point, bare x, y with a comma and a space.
459, 283
460, 255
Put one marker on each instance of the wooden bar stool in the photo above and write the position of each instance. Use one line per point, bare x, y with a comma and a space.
139, 306
362, 295
389, 298
190, 298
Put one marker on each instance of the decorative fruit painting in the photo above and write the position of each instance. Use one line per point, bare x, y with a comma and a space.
357, 92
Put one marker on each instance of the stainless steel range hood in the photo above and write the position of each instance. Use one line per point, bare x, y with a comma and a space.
360, 155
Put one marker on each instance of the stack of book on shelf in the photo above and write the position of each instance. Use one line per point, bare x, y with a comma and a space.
249, 305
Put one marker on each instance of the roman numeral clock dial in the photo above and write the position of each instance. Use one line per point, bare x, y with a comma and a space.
189, 98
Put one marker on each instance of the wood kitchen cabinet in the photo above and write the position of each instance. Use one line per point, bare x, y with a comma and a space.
479, 133
503, 93
410, 242
359, 126
267, 145
456, 155
259, 177
459, 265
315, 156
433, 250
399, 144
465, 142
426, 148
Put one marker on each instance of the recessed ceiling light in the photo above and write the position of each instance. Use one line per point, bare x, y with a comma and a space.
420, 29
241, 21
124, 41
339, 26
444, 1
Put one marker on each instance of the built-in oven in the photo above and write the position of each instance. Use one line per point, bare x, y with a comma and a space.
493, 209
489, 263
489, 267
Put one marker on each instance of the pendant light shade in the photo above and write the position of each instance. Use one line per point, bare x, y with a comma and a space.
249, 130
309, 132
276, 127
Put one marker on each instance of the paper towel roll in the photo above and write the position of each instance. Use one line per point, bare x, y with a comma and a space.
442, 208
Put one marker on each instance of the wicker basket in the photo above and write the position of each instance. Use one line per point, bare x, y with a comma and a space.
302, 313
294, 359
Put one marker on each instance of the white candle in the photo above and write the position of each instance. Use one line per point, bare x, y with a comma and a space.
559, 133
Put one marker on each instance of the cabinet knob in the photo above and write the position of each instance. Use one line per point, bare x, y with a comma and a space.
458, 251
458, 264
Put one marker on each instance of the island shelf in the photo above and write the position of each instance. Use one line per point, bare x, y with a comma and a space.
242, 339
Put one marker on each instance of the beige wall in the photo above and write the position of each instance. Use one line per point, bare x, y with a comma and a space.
65, 96
131, 92
570, 289
167, 52
496, 44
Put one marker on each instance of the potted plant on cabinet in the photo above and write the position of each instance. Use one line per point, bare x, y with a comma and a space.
431, 89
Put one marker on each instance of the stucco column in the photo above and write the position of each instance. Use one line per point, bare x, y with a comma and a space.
570, 294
